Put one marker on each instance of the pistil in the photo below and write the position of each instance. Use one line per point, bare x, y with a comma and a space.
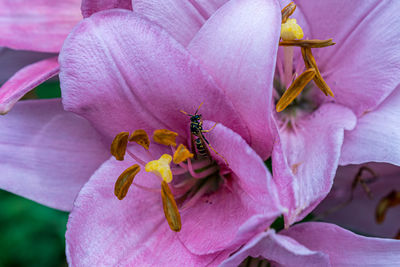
292, 36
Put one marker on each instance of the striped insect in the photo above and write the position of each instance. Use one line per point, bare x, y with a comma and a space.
198, 140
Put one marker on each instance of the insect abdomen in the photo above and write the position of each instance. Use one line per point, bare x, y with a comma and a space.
200, 148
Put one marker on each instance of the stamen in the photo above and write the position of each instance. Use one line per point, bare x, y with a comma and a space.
141, 138
136, 158
287, 11
310, 62
182, 154
170, 208
118, 145
125, 180
295, 89
161, 167
165, 137
314, 43
290, 30
389, 201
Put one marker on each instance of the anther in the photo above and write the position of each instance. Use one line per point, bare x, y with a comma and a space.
141, 138
165, 137
290, 30
170, 208
181, 154
125, 180
310, 62
389, 201
118, 145
314, 43
161, 167
287, 11
295, 89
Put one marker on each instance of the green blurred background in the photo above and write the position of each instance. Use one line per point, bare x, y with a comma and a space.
32, 234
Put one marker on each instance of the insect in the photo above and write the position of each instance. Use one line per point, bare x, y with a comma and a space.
198, 139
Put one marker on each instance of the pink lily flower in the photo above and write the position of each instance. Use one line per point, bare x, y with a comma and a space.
316, 244
39, 26
363, 71
354, 203
162, 78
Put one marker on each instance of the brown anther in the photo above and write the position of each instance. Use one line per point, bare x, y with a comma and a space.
181, 154
141, 138
310, 62
118, 145
359, 180
314, 43
165, 137
170, 208
125, 180
287, 11
295, 89
398, 235
389, 201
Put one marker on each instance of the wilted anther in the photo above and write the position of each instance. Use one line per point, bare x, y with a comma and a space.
309, 61
141, 138
287, 11
314, 43
181, 154
389, 201
161, 167
170, 208
165, 137
125, 181
118, 145
295, 89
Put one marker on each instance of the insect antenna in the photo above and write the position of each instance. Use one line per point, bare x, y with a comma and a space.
197, 110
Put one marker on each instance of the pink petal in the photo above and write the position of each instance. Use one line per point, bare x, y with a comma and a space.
104, 231
363, 68
344, 247
89, 7
181, 19
244, 206
37, 25
278, 249
136, 76
377, 135
359, 214
25, 80
46, 153
238, 47
305, 161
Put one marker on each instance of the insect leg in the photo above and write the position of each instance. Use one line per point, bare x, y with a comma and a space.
215, 151
206, 131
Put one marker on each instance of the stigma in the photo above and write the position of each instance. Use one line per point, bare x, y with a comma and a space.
290, 30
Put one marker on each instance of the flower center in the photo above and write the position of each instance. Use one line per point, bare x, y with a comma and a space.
293, 90
191, 176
